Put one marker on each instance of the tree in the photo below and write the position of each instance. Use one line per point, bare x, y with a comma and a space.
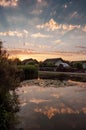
9, 81
78, 65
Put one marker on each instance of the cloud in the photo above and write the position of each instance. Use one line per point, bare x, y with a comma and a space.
25, 31
81, 47
74, 15
70, 27
53, 25
39, 35
36, 12
44, 47
42, 3
39, 1
14, 33
84, 28
8, 3
65, 6
58, 41
38, 7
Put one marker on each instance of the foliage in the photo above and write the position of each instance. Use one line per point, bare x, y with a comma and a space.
78, 65
9, 81
48, 64
29, 71
17, 61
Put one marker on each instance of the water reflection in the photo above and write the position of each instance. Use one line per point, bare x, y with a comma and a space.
52, 107
48, 111
37, 101
51, 111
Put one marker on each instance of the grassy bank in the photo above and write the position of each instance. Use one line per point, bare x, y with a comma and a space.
63, 75
28, 72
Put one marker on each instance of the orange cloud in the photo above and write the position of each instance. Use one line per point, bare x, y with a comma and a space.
7, 3
14, 33
84, 28
39, 35
58, 41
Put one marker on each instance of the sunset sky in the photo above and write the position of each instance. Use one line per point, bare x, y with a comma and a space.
44, 28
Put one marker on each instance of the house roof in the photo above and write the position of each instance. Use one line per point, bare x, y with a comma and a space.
53, 60
29, 60
82, 61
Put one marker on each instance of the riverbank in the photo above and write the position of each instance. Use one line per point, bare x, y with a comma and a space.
63, 75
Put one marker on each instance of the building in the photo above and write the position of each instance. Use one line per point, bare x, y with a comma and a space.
29, 61
57, 62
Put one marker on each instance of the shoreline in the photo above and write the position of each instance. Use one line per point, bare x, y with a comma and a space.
62, 75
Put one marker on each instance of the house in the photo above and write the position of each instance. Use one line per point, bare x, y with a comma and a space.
57, 62
79, 64
84, 64
29, 61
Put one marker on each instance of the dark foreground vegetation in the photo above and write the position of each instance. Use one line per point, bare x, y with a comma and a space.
12, 72
9, 81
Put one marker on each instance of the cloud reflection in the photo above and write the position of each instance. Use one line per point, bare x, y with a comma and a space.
52, 111
37, 101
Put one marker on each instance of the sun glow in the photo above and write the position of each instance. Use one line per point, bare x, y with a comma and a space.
43, 56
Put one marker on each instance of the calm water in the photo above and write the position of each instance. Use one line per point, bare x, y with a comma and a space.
54, 106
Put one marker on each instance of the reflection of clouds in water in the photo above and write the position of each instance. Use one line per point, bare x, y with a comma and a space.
69, 100
75, 83
37, 101
41, 89
51, 111
84, 110
23, 102
56, 95
24, 90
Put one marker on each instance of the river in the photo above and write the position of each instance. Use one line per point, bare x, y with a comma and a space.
52, 105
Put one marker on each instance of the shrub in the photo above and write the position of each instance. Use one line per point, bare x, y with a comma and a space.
9, 81
29, 71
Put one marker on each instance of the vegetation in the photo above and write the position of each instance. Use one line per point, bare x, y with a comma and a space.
77, 65
29, 71
63, 75
9, 81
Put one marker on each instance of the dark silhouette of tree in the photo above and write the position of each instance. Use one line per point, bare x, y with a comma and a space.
9, 81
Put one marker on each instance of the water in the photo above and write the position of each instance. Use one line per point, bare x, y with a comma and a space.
52, 105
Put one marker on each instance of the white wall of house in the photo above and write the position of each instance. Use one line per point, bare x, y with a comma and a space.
61, 62
84, 65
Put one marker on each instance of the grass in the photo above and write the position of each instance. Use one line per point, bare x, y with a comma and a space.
63, 75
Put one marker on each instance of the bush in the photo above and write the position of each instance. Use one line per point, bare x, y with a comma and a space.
9, 81
29, 71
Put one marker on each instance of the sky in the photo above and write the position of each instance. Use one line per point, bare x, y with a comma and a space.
44, 28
